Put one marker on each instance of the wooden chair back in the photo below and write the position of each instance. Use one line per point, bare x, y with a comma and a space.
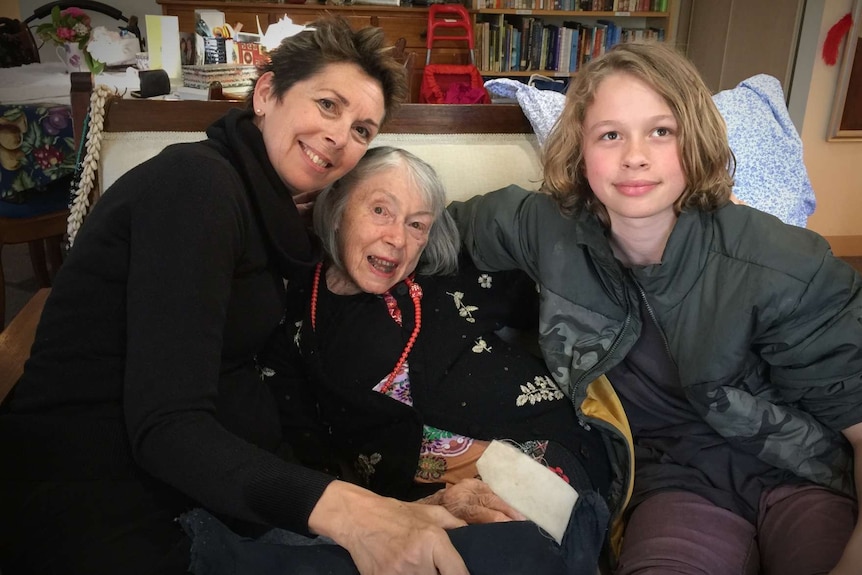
16, 341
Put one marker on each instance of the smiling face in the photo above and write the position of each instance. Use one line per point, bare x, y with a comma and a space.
383, 230
631, 152
321, 126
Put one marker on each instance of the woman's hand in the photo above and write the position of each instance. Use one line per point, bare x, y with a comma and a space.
474, 502
385, 536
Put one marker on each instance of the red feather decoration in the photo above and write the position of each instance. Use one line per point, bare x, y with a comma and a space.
834, 37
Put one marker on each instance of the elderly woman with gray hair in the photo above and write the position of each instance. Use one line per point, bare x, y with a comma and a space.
390, 374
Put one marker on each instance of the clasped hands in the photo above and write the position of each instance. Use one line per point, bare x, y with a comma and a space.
472, 501
385, 536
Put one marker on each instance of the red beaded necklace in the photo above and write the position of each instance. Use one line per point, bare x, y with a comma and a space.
415, 296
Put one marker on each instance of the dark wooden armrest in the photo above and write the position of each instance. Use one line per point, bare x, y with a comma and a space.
17, 339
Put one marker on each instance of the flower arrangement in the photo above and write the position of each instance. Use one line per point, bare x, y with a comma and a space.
70, 26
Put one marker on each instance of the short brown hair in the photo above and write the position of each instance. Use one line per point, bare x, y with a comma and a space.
332, 40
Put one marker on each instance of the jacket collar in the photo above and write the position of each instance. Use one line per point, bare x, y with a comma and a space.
683, 261
684, 258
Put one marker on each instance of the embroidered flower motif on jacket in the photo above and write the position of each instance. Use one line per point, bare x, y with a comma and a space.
540, 389
485, 281
481, 345
365, 466
265, 372
296, 336
465, 311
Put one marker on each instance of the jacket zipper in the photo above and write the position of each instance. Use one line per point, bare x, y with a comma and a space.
627, 466
653, 318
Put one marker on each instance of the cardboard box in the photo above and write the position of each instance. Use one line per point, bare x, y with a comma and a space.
249, 54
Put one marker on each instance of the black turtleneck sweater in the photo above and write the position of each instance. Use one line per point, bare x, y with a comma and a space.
144, 361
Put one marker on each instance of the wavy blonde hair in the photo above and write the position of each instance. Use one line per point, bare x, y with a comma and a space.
705, 154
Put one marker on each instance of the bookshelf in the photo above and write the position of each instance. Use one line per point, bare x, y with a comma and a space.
408, 22
411, 22
556, 37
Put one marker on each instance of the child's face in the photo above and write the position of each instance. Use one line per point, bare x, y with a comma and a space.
631, 152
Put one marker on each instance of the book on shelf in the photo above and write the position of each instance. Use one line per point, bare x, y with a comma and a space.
574, 41
551, 47
508, 42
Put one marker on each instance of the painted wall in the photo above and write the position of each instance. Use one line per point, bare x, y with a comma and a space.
834, 167
9, 9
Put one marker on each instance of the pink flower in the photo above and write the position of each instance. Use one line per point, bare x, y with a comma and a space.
66, 34
77, 14
69, 25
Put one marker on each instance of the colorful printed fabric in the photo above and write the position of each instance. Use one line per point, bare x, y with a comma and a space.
36, 147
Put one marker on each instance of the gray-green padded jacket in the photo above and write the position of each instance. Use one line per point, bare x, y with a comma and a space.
763, 322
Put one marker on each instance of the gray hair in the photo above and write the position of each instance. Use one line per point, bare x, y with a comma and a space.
440, 255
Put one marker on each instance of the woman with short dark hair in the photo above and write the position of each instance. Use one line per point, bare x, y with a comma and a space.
142, 398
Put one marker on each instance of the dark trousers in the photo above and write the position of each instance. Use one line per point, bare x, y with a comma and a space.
510, 548
91, 527
801, 530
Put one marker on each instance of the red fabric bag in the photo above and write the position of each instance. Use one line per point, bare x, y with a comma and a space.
451, 83
463, 81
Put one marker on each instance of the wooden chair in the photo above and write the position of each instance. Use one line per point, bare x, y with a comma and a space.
16, 341
44, 235
408, 60
216, 92
40, 222
40, 225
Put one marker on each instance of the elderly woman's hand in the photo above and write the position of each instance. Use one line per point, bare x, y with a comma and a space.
385, 536
474, 502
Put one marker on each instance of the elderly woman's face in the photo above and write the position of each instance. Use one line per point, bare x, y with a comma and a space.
383, 230
321, 127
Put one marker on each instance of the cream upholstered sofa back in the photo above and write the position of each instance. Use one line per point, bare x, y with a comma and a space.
468, 164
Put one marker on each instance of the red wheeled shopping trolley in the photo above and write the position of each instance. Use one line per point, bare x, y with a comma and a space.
451, 83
